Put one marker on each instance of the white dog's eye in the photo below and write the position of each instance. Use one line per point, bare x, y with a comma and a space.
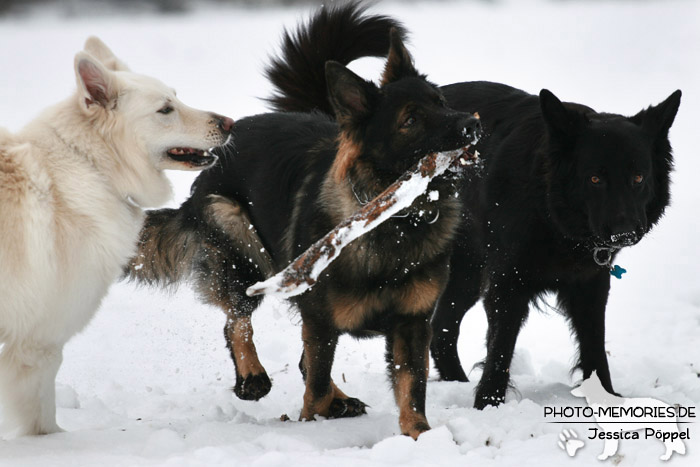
166, 110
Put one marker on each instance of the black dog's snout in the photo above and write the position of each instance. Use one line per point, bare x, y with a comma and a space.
623, 239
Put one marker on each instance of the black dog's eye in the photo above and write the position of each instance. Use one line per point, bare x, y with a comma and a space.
595, 180
408, 122
638, 179
166, 110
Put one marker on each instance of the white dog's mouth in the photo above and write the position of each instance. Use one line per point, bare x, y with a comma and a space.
194, 159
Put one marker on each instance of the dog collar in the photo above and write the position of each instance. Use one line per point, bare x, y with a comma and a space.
602, 255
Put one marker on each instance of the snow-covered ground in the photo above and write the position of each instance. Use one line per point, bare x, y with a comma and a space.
147, 383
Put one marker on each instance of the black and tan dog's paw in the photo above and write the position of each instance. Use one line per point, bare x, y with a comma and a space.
252, 387
344, 408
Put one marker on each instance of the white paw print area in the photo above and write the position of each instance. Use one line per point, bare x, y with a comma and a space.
569, 442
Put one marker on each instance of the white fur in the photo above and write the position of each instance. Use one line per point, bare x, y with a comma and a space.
72, 187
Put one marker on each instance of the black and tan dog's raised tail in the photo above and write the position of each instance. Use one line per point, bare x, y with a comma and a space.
176, 246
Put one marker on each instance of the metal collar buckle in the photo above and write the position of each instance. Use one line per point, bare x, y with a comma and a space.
602, 256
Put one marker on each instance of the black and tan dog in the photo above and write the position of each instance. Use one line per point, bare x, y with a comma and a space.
563, 190
300, 174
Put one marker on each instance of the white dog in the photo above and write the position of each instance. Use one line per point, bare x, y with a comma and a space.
73, 184
609, 411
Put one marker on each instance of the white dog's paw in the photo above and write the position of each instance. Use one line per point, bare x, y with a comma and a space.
51, 429
569, 442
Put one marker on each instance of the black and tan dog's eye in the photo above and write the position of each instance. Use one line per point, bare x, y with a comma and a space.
595, 180
166, 110
638, 179
408, 122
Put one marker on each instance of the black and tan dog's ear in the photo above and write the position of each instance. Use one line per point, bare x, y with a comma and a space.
560, 120
350, 95
657, 120
399, 63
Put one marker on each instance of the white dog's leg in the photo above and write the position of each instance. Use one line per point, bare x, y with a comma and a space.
28, 388
609, 449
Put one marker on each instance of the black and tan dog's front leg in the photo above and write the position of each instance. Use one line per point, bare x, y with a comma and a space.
407, 346
322, 397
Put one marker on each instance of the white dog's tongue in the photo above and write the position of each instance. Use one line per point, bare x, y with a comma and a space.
304, 271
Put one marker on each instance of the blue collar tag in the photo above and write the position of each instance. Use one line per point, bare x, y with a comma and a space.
617, 271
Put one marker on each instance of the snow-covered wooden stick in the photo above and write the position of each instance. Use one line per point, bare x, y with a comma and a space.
304, 271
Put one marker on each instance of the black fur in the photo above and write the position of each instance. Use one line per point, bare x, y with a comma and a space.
538, 216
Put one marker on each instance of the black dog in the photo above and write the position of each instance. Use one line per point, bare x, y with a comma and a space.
564, 188
300, 174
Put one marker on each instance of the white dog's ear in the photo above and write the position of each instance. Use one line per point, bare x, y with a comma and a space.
577, 392
95, 47
96, 84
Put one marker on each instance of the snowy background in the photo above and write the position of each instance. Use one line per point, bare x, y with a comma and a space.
148, 381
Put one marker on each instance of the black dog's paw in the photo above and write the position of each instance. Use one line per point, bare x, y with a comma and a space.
447, 363
453, 374
344, 408
483, 401
252, 387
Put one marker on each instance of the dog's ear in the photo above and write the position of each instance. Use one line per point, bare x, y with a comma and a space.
561, 121
657, 120
95, 47
578, 392
96, 84
399, 63
351, 96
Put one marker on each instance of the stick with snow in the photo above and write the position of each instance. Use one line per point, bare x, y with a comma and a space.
304, 271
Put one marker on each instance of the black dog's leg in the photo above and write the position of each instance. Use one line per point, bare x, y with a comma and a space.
461, 294
407, 359
585, 304
506, 310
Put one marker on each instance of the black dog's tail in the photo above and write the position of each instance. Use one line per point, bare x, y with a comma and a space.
339, 33
175, 245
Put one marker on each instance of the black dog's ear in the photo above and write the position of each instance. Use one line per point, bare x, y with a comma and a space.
399, 63
350, 95
657, 120
560, 120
